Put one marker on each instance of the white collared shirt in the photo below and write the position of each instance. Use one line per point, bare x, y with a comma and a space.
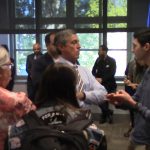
94, 91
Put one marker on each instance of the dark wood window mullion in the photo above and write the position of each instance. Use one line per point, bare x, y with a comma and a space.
105, 2
70, 14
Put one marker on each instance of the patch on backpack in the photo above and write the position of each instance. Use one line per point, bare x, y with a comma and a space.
15, 142
54, 117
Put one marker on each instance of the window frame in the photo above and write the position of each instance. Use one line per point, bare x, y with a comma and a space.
70, 20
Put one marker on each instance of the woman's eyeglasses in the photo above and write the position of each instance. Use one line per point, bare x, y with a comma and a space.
7, 66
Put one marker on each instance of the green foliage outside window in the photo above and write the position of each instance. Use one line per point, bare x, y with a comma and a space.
117, 25
89, 40
93, 8
24, 41
87, 58
53, 8
24, 8
89, 43
24, 45
117, 8
21, 57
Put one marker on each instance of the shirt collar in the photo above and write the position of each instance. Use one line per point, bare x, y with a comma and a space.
63, 60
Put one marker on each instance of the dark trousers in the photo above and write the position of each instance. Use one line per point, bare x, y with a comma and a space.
132, 117
105, 108
107, 114
30, 89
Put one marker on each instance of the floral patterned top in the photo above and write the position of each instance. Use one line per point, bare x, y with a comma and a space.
12, 107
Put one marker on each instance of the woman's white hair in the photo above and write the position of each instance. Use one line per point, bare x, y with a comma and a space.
4, 56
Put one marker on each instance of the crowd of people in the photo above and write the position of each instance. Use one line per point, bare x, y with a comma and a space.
56, 81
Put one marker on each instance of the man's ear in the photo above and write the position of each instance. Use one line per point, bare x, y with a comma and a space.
147, 47
60, 47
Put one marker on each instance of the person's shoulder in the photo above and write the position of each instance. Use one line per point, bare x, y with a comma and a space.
40, 59
45, 57
39, 64
30, 56
97, 59
110, 58
132, 64
84, 69
81, 67
41, 54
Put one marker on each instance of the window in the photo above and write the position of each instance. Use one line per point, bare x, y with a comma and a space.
89, 48
24, 43
24, 9
32, 19
117, 8
117, 45
53, 8
86, 8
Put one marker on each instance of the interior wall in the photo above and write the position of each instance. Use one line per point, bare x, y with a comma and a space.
4, 39
138, 13
4, 14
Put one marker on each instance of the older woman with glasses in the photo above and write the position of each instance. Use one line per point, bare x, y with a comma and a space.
12, 105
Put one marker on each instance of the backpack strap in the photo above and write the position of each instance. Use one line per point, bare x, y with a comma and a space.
79, 125
32, 119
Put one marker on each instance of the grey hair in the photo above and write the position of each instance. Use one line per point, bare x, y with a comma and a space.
62, 36
4, 56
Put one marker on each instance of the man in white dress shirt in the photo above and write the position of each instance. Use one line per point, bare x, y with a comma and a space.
67, 42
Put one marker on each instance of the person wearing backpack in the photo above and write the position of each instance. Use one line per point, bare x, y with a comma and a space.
59, 117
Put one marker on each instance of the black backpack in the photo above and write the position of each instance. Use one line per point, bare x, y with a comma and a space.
53, 137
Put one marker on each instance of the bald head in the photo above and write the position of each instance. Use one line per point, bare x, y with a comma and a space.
36, 48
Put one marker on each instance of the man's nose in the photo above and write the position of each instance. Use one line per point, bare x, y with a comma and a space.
78, 46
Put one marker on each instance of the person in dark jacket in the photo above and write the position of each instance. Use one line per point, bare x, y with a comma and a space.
29, 62
104, 71
41, 64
